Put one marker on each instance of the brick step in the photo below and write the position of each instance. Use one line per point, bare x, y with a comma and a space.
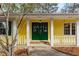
41, 43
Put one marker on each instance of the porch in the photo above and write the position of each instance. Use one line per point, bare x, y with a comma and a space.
56, 37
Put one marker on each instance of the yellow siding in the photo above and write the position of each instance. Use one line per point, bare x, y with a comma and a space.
69, 20
58, 27
59, 38
22, 32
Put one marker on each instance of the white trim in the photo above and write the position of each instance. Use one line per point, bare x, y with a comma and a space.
70, 27
14, 28
78, 33
28, 33
15, 31
52, 33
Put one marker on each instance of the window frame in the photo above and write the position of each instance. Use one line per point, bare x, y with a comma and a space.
5, 28
70, 28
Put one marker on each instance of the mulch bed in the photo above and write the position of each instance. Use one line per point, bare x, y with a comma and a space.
21, 52
69, 50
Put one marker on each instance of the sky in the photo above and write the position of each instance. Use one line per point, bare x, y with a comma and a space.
60, 5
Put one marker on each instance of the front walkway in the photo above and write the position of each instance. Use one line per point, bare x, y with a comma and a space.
45, 52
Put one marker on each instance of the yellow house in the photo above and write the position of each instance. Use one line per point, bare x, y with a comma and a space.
53, 30
56, 30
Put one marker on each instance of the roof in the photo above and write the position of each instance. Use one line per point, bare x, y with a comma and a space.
12, 15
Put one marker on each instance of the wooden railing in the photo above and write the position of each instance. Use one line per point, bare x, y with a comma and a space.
3, 38
22, 39
21, 42
64, 41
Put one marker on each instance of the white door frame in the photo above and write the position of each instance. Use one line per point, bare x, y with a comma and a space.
28, 32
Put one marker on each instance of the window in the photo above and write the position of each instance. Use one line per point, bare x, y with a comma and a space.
73, 28
3, 28
69, 28
9, 32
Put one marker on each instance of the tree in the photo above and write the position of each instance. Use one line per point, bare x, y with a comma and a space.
70, 8
13, 8
45, 8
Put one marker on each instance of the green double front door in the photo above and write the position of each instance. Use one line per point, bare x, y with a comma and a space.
39, 30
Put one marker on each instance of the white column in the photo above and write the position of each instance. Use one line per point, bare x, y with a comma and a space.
28, 34
77, 33
52, 33
15, 30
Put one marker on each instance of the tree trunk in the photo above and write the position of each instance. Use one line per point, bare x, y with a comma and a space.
7, 40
